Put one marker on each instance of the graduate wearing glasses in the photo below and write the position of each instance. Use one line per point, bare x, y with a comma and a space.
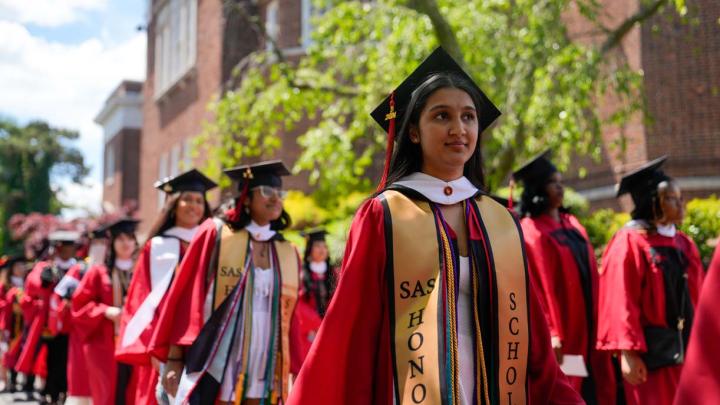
225, 327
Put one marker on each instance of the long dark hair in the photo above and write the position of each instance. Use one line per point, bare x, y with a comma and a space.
534, 201
166, 219
110, 257
238, 217
407, 156
306, 276
647, 205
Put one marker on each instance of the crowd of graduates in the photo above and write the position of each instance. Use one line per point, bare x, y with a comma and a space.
445, 295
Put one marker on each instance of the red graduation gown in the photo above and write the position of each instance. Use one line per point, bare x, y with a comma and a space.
564, 290
35, 304
632, 296
350, 361
89, 302
700, 379
182, 313
138, 353
60, 321
12, 326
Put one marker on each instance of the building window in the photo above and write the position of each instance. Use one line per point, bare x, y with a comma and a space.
109, 165
162, 173
175, 160
175, 43
187, 163
307, 13
272, 26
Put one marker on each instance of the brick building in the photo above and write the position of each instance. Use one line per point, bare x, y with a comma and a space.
193, 46
121, 119
680, 61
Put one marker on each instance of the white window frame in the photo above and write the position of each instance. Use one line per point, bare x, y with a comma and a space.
272, 25
175, 43
109, 164
175, 152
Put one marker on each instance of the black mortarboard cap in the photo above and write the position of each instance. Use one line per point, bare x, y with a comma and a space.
98, 232
268, 173
191, 180
10, 260
536, 170
438, 62
643, 180
316, 234
64, 237
122, 225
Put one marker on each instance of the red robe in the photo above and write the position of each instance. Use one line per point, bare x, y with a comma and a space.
89, 302
351, 362
35, 304
182, 313
700, 379
568, 294
138, 353
12, 326
60, 321
632, 296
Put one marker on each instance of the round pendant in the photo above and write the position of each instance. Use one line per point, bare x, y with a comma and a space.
448, 190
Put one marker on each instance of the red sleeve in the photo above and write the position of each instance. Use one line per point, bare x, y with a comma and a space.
88, 310
544, 268
700, 379
182, 312
340, 367
547, 383
138, 291
619, 297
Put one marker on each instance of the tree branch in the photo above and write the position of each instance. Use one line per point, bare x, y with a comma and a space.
445, 35
617, 35
283, 63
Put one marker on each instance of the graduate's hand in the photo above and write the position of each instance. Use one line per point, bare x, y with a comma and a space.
171, 377
633, 367
557, 348
112, 313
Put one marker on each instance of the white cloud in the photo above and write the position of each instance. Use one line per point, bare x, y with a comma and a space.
83, 198
65, 84
48, 13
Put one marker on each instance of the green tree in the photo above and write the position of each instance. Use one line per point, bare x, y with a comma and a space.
547, 83
29, 156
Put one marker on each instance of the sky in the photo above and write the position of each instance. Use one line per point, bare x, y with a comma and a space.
59, 61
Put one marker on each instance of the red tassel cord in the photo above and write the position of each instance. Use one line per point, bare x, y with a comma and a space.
390, 142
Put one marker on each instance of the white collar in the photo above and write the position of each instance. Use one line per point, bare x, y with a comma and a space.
64, 264
17, 281
318, 267
123, 264
667, 230
184, 234
260, 233
434, 189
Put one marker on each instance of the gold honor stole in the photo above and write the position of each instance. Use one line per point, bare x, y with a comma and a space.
417, 318
234, 246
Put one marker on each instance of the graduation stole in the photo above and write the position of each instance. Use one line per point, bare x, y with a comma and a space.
233, 265
423, 285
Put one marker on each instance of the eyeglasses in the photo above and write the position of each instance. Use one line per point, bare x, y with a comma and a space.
267, 192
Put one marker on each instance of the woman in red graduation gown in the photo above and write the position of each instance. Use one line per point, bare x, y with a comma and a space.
225, 325
44, 352
185, 208
96, 307
436, 305
562, 264
700, 378
649, 283
60, 322
11, 323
